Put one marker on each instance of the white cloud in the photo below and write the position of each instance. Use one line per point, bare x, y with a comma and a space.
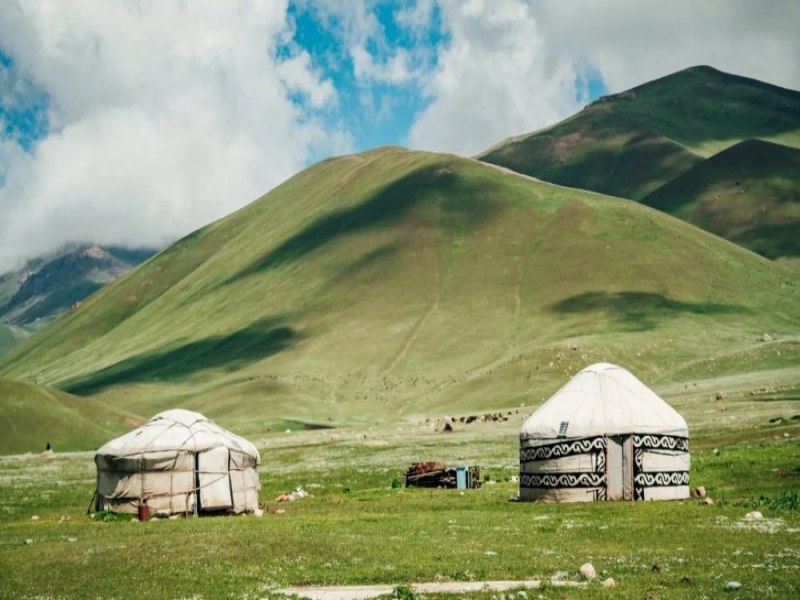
163, 115
631, 42
496, 78
512, 65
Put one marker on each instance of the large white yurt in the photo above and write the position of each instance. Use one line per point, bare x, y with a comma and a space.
604, 436
178, 462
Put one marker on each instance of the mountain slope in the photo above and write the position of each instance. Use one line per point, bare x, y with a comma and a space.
631, 143
749, 193
33, 415
395, 283
45, 287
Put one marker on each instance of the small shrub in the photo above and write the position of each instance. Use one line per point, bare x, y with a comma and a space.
403, 592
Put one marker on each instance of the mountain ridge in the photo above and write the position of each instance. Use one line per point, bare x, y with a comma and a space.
394, 283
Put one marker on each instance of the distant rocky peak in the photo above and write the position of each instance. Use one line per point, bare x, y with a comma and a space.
96, 252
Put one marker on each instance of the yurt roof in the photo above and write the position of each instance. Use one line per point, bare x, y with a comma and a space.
177, 430
603, 399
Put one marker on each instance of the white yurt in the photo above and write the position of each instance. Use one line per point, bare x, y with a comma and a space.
178, 462
604, 436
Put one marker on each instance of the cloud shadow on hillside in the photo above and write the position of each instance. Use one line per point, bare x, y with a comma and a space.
639, 311
436, 183
258, 341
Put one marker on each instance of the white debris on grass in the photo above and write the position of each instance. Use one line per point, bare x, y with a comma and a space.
754, 516
609, 583
763, 525
587, 571
733, 586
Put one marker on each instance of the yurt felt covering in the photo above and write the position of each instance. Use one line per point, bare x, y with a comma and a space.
179, 462
604, 436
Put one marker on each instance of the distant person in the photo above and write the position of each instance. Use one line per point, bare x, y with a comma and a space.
48, 447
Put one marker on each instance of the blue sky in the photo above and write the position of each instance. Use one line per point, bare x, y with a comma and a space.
134, 122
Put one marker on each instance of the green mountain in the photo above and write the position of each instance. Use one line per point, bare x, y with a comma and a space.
397, 284
45, 287
33, 415
749, 193
630, 144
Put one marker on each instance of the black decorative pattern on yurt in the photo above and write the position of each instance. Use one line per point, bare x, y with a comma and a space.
562, 449
594, 445
662, 478
642, 479
562, 480
661, 442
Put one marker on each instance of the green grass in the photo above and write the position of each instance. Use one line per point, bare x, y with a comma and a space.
33, 415
749, 193
7, 338
392, 284
356, 529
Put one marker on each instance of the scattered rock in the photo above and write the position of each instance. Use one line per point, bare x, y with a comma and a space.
29, 541
587, 571
720, 395
656, 568
708, 501
754, 516
765, 337
35, 518
733, 586
522, 595
72, 539
699, 492
716, 451
609, 583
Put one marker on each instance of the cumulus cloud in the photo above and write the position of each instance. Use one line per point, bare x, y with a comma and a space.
162, 116
631, 42
495, 78
514, 66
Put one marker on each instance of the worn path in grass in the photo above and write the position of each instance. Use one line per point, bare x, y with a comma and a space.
357, 592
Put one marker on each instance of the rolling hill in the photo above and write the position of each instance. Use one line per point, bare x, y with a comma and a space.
33, 415
631, 143
45, 287
749, 193
396, 284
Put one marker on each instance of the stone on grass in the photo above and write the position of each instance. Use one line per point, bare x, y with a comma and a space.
733, 586
522, 595
699, 492
609, 583
708, 501
587, 571
35, 518
766, 338
29, 541
754, 516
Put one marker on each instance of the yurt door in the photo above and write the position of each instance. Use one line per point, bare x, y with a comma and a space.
614, 477
619, 468
214, 480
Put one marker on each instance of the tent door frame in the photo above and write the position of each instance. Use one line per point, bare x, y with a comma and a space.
619, 467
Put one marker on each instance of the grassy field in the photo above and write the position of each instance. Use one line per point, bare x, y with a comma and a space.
359, 528
33, 415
